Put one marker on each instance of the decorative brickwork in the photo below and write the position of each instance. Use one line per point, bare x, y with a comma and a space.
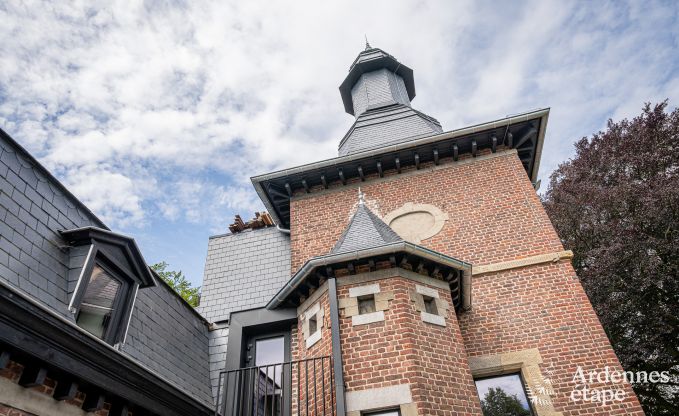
404, 350
38, 401
495, 214
527, 296
544, 307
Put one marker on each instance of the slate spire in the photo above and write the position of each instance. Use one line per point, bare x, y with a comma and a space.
365, 230
378, 91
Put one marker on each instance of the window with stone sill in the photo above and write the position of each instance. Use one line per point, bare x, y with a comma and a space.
430, 305
366, 304
506, 392
391, 412
312, 325
433, 309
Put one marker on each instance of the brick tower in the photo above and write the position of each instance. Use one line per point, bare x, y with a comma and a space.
423, 262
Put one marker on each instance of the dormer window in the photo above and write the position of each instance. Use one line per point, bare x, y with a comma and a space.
101, 304
106, 270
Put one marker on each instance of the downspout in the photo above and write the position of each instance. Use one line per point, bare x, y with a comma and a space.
336, 351
283, 230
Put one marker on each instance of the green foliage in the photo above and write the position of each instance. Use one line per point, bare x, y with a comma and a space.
616, 205
498, 403
178, 282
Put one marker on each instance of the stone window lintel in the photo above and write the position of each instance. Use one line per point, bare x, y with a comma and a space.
527, 362
317, 311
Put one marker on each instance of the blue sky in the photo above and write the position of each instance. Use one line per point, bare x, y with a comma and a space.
156, 113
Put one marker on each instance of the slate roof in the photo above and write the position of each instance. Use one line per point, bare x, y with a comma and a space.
384, 126
373, 59
365, 230
165, 334
378, 91
243, 270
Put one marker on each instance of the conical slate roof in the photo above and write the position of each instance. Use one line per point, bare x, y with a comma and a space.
365, 230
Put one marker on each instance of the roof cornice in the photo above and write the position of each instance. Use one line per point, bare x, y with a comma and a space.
406, 250
36, 330
524, 132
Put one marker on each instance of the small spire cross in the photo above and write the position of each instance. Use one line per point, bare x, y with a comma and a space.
367, 44
361, 197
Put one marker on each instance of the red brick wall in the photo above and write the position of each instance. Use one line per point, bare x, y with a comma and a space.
319, 376
494, 216
403, 349
544, 307
13, 372
6, 411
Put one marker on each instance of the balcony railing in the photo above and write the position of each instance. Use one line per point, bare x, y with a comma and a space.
294, 388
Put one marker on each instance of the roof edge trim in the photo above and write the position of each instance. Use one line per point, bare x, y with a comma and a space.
83, 235
507, 121
52, 178
327, 260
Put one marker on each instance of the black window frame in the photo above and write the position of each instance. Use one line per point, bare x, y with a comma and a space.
122, 308
261, 334
524, 386
382, 411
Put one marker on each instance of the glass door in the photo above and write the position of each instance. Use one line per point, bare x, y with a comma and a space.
264, 356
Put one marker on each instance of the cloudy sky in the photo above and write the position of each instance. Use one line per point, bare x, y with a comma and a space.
156, 113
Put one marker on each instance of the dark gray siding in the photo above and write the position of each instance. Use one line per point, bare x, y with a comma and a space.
165, 335
170, 339
33, 257
243, 271
218, 340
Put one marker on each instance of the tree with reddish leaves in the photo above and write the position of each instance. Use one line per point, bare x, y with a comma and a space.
616, 205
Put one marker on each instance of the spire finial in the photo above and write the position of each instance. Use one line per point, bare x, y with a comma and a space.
367, 44
361, 195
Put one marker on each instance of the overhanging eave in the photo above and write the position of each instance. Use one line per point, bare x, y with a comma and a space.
524, 132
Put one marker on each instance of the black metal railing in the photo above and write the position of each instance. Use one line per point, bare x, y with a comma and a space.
293, 388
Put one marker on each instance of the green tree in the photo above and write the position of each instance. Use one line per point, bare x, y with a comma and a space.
177, 281
616, 205
498, 403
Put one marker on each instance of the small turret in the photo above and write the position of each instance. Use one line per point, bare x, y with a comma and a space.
378, 91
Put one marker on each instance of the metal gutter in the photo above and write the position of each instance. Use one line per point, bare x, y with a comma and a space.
92, 338
467, 290
327, 260
336, 347
259, 179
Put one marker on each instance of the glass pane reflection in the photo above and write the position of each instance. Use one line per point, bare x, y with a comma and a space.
270, 351
97, 304
503, 396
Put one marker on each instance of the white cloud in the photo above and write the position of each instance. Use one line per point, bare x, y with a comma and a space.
173, 105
